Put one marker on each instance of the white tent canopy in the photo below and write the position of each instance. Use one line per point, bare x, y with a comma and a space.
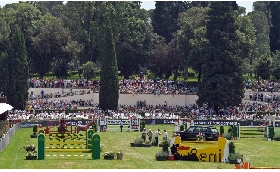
5, 107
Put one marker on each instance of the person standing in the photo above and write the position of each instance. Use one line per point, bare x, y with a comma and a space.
150, 135
156, 136
102, 123
144, 133
121, 125
165, 135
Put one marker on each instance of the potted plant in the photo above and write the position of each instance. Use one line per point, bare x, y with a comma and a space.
161, 156
31, 155
200, 138
147, 144
138, 142
228, 136
231, 147
29, 147
160, 144
30, 151
109, 155
35, 129
165, 146
277, 137
132, 144
119, 155
235, 158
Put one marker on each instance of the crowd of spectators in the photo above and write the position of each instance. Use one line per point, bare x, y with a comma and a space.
126, 86
245, 111
262, 85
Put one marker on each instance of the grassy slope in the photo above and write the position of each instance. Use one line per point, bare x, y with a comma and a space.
260, 151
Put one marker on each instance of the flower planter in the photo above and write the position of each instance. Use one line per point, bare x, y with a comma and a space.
146, 145
171, 158
138, 145
161, 158
233, 161
119, 156
31, 157
277, 139
108, 157
132, 144
33, 136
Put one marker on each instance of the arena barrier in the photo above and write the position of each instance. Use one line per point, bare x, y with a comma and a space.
253, 132
114, 124
247, 165
91, 145
182, 151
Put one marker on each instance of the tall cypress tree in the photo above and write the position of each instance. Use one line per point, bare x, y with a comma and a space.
222, 83
274, 34
109, 88
17, 87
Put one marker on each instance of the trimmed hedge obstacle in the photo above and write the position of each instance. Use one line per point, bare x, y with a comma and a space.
91, 145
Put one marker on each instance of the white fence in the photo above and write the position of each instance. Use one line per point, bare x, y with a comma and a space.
8, 137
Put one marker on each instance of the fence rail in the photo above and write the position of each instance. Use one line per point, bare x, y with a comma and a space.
8, 137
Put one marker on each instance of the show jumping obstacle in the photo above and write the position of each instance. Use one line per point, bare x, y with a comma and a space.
85, 127
247, 165
92, 146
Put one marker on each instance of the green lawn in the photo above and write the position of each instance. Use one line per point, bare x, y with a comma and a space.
260, 152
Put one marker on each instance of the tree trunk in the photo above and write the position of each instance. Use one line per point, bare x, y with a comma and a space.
125, 73
199, 74
175, 74
186, 76
268, 13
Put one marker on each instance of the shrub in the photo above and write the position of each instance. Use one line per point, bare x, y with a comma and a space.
230, 130
35, 129
182, 128
231, 147
222, 130
165, 146
228, 136
139, 141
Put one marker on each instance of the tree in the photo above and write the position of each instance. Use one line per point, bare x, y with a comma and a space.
165, 15
49, 46
275, 65
26, 17
263, 6
16, 83
135, 41
263, 68
109, 88
222, 82
192, 37
89, 70
246, 33
275, 28
261, 46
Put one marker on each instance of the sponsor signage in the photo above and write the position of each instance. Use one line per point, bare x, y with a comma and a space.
151, 121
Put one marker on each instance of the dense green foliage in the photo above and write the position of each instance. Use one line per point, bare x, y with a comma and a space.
222, 83
62, 38
14, 70
109, 89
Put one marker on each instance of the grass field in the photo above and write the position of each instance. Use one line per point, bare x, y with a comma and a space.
260, 152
